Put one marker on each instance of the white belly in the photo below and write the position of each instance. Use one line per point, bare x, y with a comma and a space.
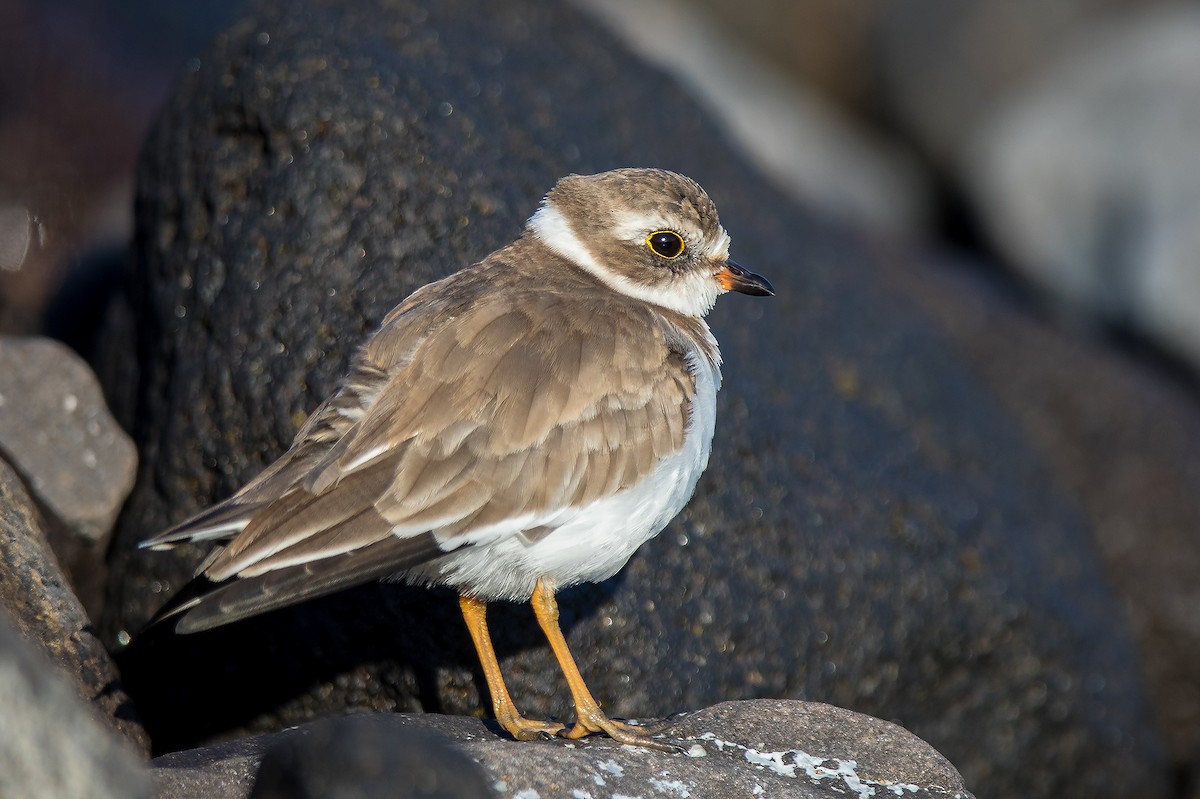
591, 543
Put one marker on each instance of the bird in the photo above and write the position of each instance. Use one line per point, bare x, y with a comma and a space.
519, 427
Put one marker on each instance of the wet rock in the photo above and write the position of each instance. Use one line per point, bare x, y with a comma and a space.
873, 529
50, 742
736, 749
35, 596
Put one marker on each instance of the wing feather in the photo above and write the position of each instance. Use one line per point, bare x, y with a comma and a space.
464, 413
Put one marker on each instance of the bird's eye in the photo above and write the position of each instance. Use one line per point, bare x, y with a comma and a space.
665, 243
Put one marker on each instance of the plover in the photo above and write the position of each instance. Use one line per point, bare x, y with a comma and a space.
519, 427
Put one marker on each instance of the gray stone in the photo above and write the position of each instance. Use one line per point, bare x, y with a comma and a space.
1089, 181
873, 530
368, 757
55, 429
945, 66
16, 231
35, 596
50, 743
929, 72
736, 749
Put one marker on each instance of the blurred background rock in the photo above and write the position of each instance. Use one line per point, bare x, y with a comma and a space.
1053, 138
80, 82
1051, 145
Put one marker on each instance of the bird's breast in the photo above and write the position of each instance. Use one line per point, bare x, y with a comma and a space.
589, 543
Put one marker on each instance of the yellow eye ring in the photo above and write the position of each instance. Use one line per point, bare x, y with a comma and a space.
666, 244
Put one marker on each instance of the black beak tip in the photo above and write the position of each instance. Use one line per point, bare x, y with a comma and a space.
763, 287
746, 282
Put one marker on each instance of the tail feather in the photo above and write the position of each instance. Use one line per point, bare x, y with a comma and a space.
218, 522
203, 604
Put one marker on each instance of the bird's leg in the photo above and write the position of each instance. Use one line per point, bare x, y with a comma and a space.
590, 718
475, 613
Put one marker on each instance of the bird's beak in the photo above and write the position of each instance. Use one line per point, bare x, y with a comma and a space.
735, 278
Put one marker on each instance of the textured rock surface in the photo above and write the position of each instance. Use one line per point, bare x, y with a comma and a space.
57, 431
1107, 216
736, 749
363, 757
872, 530
50, 742
35, 596
1122, 441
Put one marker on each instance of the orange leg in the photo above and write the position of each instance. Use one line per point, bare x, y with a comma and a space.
475, 613
590, 717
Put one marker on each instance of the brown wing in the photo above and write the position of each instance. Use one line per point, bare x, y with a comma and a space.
372, 368
470, 408
526, 403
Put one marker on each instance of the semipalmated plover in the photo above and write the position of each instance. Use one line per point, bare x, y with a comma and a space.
521, 426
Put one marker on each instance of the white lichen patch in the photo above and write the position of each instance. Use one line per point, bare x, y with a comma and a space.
790, 761
527, 793
708, 736
671, 787
580, 794
612, 767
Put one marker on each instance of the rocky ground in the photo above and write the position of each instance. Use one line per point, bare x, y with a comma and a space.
925, 503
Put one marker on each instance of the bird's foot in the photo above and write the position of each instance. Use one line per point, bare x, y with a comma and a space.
595, 721
524, 729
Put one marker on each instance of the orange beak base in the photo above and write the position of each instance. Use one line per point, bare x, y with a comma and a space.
743, 281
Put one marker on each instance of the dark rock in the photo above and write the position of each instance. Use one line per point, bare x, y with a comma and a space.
50, 742
1121, 437
72, 127
368, 756
35, 596
55, 429
736, 749
873, 530
1101, 217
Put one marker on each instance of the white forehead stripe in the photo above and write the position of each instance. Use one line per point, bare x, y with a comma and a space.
692, 294
633, 228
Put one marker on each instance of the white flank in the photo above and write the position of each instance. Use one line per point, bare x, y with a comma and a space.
591, 543
693, 294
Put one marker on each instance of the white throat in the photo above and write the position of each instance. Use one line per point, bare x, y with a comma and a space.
692, 295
